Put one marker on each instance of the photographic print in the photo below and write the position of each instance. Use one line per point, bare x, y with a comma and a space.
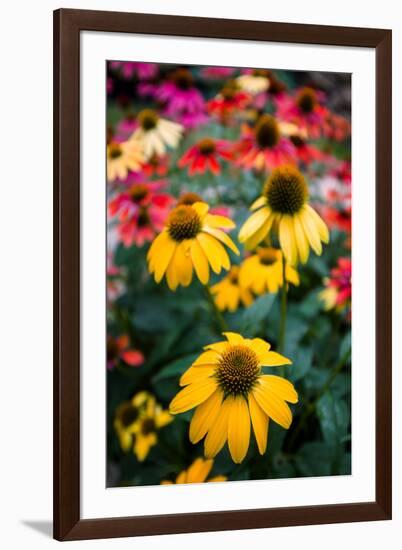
228, 274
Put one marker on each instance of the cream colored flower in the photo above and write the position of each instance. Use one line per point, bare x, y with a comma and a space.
156, 134
253, 83
122, 158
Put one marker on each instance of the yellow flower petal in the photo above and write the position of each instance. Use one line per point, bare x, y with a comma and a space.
172, 277
260, 422
214, 251
301, 239
216, 479
260, 235
192, 395
214, 220
207, 358
258, 345
194, 374
254, 223
218, 433
205, 416
273, 359
238, 429
234, 338
321, 225
200, 262
273, 406
218, 347
282, 387
183, 264
261, 201
311, 231
199, 470
143, 444
287, 239
201, 208
162, 418
223, 237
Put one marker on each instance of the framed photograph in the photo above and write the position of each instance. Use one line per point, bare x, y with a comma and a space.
214, 183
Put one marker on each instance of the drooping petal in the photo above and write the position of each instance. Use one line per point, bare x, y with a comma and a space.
311, 231
273, 406
238, 429
205, 416
200, 262
260, 422
287, 239
282, 387
192, 395
301, 240
217, 221
218, 432
223, 237
321, 226
201, 208
183, 265
214, 251
260, 234
261, 201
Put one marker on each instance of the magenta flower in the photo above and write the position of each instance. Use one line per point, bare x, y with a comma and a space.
129, 69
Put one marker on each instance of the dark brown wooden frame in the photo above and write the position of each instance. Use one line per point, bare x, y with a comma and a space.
67, 27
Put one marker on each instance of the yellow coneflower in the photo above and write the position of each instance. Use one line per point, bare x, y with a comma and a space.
137, 423
126, 416
192, 238
229, 293
122, 157
263, 272
196, 473
283, 208
156, 133
227, 386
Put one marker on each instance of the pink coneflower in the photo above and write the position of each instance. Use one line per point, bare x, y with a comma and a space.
129, 69
336, 127
338, 286
304, 109
263, 147
217, 73
229, 101
119, 350
141, 211
126, 125
306, 152
204, 156
181, 99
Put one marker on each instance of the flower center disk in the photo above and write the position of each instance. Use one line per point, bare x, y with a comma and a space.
286, 190
128, 415
237, 370
183, 79
206, 146
138, 192
307, 100
267, 131
189, 198
267, 256
115, 151
148, 119
183, 223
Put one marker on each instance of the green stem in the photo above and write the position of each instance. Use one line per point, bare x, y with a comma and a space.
310, 407
282, 321
219, 319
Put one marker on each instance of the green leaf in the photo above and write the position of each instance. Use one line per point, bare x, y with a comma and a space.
301, 363
314, 459
256, 313
334, 415
176, 367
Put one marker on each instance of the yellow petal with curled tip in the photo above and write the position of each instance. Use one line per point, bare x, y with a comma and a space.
192, 395
260, 422
282, 387
223, 237
258, 345
260, 235
214, 251
238, 429
205, 416
321, 225
311, 231
273, 406
209, 357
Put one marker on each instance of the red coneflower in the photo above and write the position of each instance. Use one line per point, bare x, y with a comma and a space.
204, 156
